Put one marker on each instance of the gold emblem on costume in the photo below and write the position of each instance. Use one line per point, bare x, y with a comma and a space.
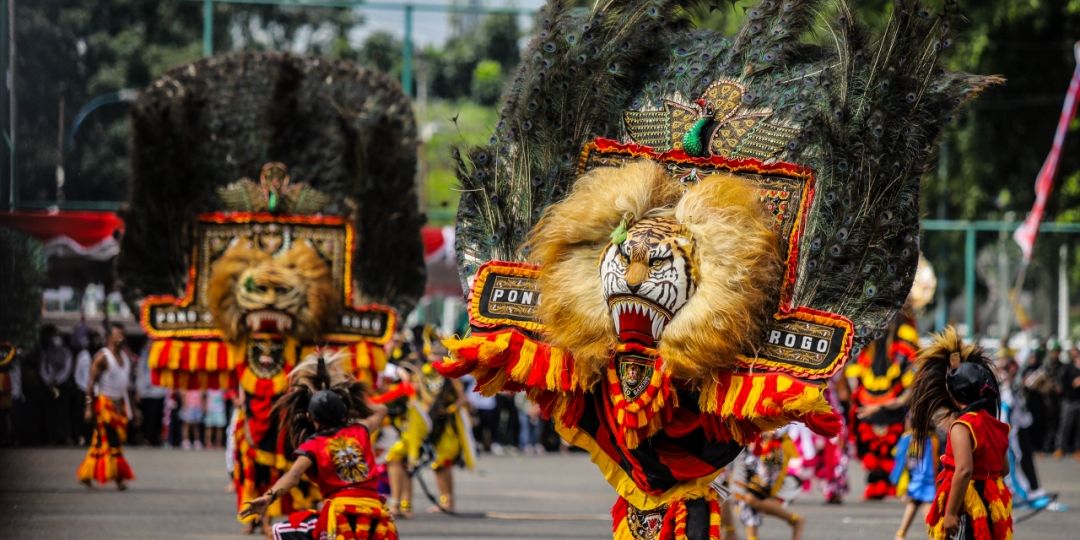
348, 459
635, 373
716, 124
273, 193
645, 524
265, 357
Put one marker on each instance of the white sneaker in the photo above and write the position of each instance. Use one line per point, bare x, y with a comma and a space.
186, 444
497, 449
198, 445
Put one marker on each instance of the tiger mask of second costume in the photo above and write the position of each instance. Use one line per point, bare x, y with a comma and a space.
290, 293
690, 271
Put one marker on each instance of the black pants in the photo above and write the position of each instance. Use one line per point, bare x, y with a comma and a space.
1026, 459
80, 429
486, 426
509, 423
175, 427
58, 416
1068, 436
152, 415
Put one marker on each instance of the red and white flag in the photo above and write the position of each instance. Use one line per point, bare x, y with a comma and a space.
1025, 235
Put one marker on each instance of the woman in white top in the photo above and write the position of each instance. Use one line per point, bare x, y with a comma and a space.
108, 408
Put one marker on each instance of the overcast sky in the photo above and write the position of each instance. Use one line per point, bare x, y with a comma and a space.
430, 28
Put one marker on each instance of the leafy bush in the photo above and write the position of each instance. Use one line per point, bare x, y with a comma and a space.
487, 81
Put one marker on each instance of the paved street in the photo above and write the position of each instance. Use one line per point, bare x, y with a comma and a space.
181, 495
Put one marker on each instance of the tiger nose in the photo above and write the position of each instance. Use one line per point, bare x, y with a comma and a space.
635, 275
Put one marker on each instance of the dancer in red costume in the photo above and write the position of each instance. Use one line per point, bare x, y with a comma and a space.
332, 428
971, 500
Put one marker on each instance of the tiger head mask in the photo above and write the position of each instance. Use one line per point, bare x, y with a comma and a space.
288, 293
647, 277
690, 271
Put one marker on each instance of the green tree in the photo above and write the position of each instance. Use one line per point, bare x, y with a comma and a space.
452, 67
22, 270
71, 51
487, 82
494, 39
382, 51
498, 37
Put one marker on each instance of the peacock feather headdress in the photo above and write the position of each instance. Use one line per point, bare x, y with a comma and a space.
859, 113
322, 136
243, 278
674, 236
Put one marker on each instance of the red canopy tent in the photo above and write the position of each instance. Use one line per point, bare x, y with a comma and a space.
92, 235
439, 256
95, 235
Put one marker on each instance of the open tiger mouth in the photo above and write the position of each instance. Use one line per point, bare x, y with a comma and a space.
269, 320
638, 319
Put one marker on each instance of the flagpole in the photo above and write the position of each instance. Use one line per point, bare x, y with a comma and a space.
1028, 231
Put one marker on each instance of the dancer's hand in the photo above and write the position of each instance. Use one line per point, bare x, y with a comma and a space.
951, 524
255, 507
867, 411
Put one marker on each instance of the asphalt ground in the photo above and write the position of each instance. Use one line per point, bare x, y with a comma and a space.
182, 495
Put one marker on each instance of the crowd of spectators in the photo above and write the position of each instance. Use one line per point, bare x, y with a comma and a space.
1049, 376
43, 402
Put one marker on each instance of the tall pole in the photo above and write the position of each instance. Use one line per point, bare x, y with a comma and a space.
60, 152
4, 92
969, 280
941, 312
407, 53
208, 27
1063, 291
12, 102
1003, 285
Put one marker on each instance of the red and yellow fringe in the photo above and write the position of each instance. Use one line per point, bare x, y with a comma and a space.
210, 364
508, 359
192, 364
999, 509
741, 406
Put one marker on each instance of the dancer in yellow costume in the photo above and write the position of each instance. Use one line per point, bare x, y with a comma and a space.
434, 413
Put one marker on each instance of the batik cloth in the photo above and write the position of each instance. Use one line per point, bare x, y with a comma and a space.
105, 459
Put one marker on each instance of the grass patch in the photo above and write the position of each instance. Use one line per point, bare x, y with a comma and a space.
445, 125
